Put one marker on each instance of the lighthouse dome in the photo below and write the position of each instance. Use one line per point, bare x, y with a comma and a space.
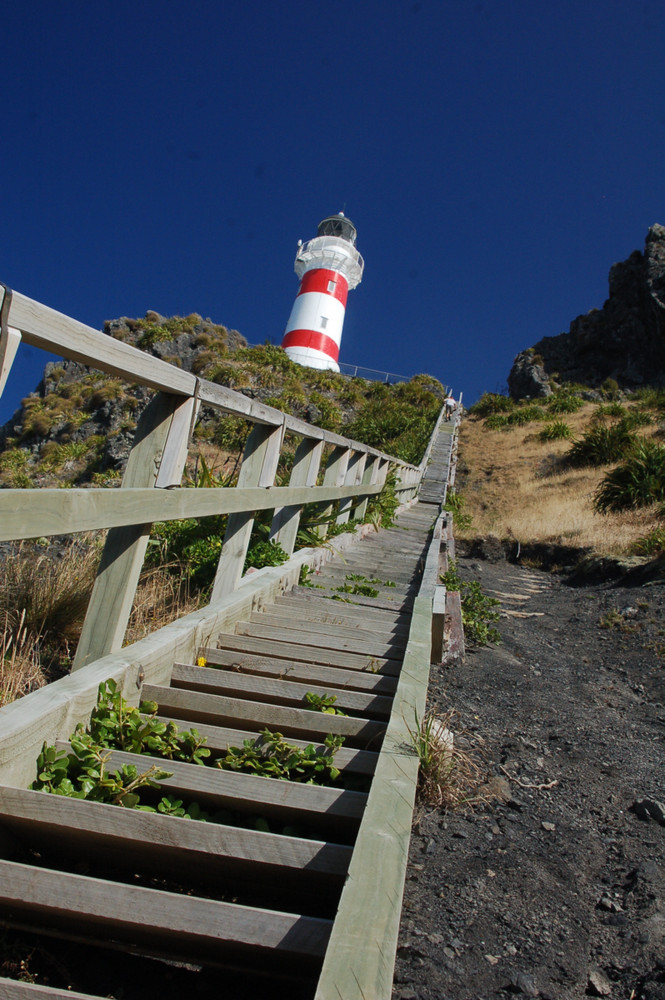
338, 225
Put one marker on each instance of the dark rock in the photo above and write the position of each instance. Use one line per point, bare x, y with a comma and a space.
523, 985
624, 340
646, 809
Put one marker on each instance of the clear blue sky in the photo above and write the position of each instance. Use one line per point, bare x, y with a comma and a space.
496, 157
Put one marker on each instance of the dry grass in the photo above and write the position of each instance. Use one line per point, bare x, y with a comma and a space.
515, 488
20, 670
160, 599
453, 764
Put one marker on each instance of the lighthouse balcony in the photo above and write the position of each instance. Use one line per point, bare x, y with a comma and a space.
331, 252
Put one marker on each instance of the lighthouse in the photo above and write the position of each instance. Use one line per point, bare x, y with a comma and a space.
328, 266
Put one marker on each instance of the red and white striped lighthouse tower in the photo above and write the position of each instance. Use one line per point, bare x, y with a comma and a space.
328, 266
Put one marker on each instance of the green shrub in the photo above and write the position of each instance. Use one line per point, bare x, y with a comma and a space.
610, 388
558, 430
601, 445
637, 482
265, 553
455, 503
526, 415
564, 402
652, 544
497, 421
492, 403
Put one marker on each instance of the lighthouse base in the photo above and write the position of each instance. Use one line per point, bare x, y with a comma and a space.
310, 358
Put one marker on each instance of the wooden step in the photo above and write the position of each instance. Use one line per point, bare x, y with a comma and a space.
308, 654
389, 650
295, 620
194, 706
176, 927
400, 603
12, 989
257, 796
210, 854
273, 691
347, 759
331, 677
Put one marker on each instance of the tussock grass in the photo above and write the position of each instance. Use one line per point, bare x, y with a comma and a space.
517, 486
452, 763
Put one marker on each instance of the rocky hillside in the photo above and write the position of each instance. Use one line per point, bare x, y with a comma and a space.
78, 425
624, 341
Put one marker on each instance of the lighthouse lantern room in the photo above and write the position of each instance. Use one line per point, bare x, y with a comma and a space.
328, 266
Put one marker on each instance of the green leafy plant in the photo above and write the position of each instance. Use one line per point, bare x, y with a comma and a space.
491, 403
455, 503
271, 756
322, 703
265, 553
478, 610
358, 584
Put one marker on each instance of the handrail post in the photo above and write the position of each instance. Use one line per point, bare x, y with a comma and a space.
122, 557
335, 475
285, 523
259, 465
353, 476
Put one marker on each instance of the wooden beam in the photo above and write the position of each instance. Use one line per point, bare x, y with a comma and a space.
106, 619
52, 331
174, 927
37, 513
259, 465
286, 521
334, 476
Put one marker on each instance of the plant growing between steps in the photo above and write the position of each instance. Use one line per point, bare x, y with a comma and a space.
322, 703
83, 771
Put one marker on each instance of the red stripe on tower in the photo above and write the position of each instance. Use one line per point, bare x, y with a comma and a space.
328, 266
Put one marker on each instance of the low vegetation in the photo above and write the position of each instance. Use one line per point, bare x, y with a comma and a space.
594, 480
452, 764
85, 771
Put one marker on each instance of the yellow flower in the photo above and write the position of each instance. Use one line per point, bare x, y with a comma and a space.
201, 661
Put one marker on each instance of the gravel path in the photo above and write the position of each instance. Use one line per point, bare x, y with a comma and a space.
556, 888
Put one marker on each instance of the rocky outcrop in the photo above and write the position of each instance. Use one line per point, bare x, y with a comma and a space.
624, 341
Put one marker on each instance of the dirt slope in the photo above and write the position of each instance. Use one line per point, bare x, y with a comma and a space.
557, 888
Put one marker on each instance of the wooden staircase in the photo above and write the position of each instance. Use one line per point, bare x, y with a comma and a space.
194, 897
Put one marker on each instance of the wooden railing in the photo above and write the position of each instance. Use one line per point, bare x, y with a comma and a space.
151, 487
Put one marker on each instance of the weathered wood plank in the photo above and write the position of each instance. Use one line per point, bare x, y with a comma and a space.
259, 465
334, 475
112, 597
274, 691
209, 851
221, 710
251, 794
401, 603
310, 604
9, 341
52, 331
304, 637
11, 989
175, 927
35, 513
309, 654
299, 624
282, 667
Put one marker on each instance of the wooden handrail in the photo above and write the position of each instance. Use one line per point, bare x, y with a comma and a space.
151, 488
